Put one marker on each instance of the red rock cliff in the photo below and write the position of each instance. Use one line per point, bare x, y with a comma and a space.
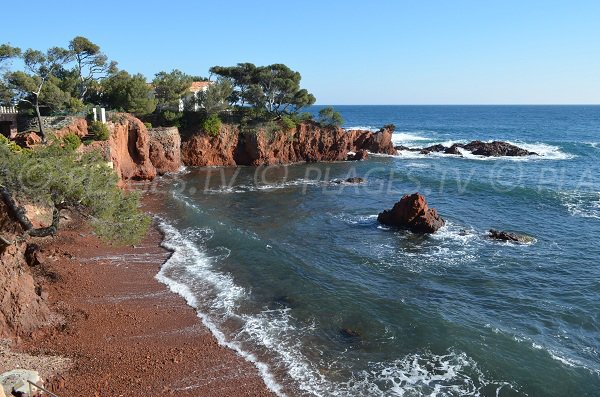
307, 142
23, 305
137, 153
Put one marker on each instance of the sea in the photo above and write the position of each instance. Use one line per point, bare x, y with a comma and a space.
293, 271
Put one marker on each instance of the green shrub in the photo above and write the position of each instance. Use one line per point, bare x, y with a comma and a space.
12, 146
148, 125
211, 125
288, 123
329, 117
59, 179
99, 130
302, 117
171, 118
71, 141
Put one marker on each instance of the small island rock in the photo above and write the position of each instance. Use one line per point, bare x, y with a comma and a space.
509, 236
412, 213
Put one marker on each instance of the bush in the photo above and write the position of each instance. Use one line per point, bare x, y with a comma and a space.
288, 123
148, 125
302, 117
211, 125
71, 142
99, 130
329, 117
62, 179
12, 146
171, 118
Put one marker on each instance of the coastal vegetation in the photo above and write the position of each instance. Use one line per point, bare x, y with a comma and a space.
72, 80
54, 176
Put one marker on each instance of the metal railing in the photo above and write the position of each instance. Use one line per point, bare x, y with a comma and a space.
8, 110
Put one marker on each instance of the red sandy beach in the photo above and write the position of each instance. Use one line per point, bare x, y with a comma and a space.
126, 334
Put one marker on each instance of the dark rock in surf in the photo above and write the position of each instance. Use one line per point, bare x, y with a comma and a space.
510, 236
355, 180
407, 149
496, 149
439, 148
412, 213
454, 149
349, 333
358, 156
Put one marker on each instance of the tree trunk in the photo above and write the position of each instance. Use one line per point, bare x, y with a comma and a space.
18, 213
39, 117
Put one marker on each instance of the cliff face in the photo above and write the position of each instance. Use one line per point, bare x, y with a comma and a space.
129, 144
308, 142
138, 153
23, 306
165, 149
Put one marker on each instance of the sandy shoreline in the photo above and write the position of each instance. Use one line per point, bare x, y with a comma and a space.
125, 332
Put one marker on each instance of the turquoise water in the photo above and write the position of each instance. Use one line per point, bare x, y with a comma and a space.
278, 260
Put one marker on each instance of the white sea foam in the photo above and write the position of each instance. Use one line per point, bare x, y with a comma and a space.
264, 186
363, 127
186, 256
545, 152
581, 203
406, 137
425, 374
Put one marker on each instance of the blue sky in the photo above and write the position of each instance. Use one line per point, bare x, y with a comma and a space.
348, 52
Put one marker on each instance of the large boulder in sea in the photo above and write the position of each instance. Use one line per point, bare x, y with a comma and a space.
412, 213
496, 149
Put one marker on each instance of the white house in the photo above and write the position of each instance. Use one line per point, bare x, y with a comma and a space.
191, 98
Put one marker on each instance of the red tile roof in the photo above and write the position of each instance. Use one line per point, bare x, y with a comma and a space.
199, 85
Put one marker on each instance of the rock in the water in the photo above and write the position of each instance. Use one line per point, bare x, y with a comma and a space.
435, 148
349, 333
454, 149
355, 180
413, 213
496, 149
406, 148
359, 155
510, 236
352, 180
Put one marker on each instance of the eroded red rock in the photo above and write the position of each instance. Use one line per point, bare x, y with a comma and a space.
412, 213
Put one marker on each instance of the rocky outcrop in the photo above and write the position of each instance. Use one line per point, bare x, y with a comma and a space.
203, 150
129, 144
27, 140
496, 149
136, 153
510, 236
78, 126
23, 305
478, 148
165, 149
308, 142
362, 154
412, 213
374, 142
